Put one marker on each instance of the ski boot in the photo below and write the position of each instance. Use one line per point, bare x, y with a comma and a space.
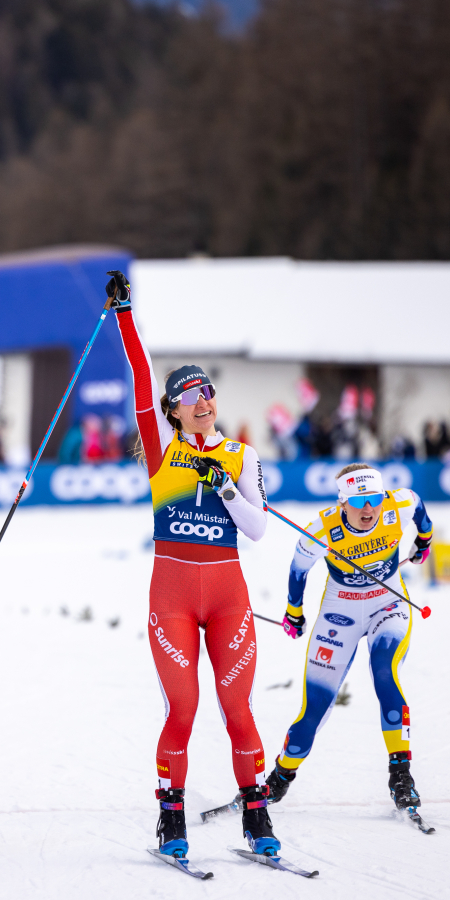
256, 823
171, 827
279, 781
401, 782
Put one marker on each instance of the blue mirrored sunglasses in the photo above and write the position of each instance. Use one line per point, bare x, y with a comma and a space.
360, 501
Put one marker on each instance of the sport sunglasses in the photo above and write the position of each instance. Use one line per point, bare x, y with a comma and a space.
190, 397
360, 501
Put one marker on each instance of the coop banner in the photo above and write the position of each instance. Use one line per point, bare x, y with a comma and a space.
128, 482
68, 485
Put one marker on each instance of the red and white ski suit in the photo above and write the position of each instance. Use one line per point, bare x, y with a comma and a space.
199, 586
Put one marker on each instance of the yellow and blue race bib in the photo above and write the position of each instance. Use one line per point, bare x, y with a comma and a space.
187, 510
376, 552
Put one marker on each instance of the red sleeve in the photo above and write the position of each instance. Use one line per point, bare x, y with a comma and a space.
156, 432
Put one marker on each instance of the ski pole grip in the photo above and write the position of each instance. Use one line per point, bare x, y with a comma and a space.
110, 300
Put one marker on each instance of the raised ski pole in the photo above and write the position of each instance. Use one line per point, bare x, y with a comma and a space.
425, 611
58, 412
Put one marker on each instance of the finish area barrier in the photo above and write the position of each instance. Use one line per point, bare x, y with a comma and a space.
54, 485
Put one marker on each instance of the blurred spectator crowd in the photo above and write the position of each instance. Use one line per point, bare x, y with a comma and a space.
95, 439
350, 431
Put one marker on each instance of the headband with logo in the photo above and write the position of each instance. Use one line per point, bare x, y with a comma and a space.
361, 481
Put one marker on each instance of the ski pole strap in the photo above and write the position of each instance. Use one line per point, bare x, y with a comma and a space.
426, 611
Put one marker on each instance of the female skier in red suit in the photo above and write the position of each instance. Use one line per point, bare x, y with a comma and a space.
204, 487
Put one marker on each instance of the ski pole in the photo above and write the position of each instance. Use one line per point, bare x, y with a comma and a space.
425, 611
275, 622
265, 619
58, 412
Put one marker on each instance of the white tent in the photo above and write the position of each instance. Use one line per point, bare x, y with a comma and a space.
306, 311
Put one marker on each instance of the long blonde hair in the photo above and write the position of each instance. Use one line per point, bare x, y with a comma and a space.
138, 449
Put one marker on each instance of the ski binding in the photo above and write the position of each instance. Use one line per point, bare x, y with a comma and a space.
182, 864
274, 862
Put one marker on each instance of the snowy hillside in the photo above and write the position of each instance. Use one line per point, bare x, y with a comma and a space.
80, 713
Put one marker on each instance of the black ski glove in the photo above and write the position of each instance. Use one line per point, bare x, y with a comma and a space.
122, 300
210, 471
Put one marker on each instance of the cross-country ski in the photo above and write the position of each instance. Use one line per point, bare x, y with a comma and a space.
417, 820
229, 809
182, 864
274, 862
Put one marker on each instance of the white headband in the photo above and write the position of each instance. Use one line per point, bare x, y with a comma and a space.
361, 481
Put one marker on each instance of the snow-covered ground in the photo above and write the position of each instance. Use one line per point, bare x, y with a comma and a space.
80, 714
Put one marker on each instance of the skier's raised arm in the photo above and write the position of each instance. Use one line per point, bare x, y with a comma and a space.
156, 432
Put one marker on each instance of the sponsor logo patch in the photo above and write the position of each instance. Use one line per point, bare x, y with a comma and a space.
260, 762
198, 379
176, 655
245, 659
232, 446
327, 640
391, 615
332, 633
329, 512
324, 654
367, 595
338, 619
389, 517
201, 530
406, 723
337, 534
239, 637
163, 766
350, 481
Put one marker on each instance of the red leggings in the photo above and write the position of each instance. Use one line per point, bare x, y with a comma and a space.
183, 597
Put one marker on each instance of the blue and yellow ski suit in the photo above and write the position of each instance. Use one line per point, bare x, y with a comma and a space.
354, 606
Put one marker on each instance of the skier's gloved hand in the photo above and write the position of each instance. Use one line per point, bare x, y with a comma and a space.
122, 300
419, 550
210, 471
294, 626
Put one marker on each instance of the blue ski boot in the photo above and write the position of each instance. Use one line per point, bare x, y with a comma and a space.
279, 781
171, 827
256, 823
401, 782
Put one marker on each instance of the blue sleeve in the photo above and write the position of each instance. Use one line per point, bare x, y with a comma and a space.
421, 519
297, 583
